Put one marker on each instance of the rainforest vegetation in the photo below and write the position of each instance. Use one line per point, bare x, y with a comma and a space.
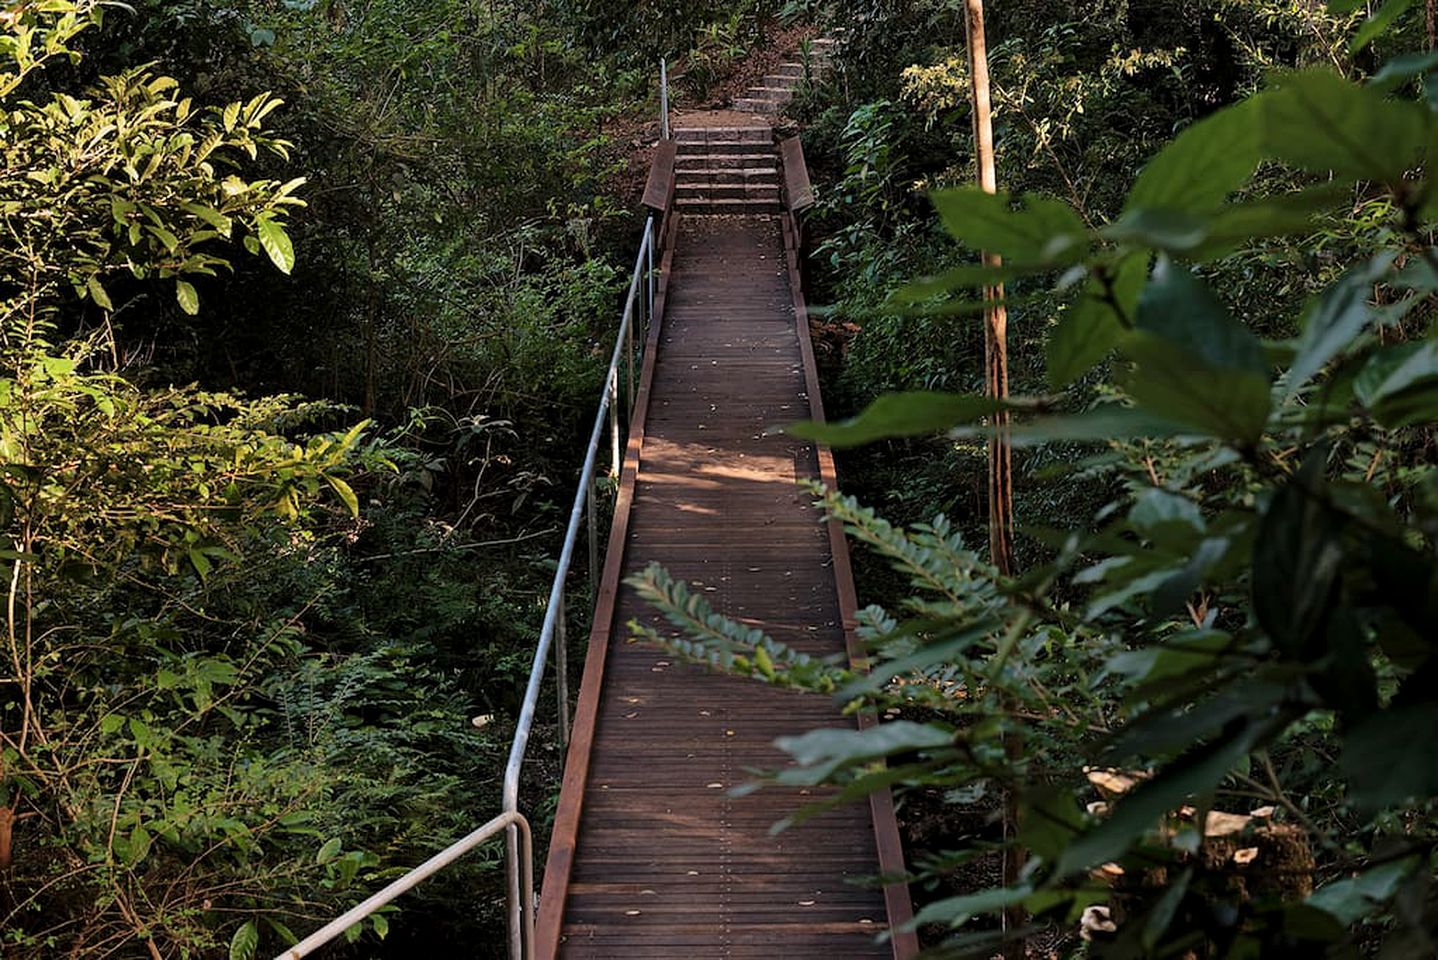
304, 309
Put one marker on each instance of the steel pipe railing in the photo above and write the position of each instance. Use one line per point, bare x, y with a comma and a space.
519, 844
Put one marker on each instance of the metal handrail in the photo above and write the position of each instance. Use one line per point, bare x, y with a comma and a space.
519, 845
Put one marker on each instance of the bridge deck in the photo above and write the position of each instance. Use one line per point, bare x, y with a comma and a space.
652, 856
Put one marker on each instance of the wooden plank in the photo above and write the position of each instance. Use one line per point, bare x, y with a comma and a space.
886, 825
797, 189
660, 186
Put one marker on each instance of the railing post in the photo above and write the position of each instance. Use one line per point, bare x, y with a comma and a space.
561, 669
614, 423
649, 272
515, 904
593, 544
664, 98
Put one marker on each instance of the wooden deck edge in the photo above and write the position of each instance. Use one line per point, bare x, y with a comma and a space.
564, 838
881, 804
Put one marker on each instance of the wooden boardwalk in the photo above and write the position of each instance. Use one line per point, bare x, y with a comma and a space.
651, 855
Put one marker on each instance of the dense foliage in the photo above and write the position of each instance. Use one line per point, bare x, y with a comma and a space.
1211, 688
301, 313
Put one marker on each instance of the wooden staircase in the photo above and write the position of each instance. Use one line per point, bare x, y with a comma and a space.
771, 96
726, 170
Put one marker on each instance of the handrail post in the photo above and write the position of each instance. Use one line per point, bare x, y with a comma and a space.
593, 541
649, 270
614, 423
664, 97
561, 670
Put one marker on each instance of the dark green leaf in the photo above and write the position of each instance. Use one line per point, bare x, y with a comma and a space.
1400, 385
1404, 68
1320, 122
1379, 22
900, 415
1039, 231
1179, 308
1352, 899
1386, 759
245, 942
1203, 164
1156, 924
1050, 820
964, 277
1339, 315
1107, 422
1096, 322
956, 910
1296, 561
1195, 363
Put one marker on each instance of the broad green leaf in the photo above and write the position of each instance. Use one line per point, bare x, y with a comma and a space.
346, 494
964, 277
381, 925
955, 911
1400, 385
1156, 510
1039, 231
880, 740
1194, 362
276, 243
188, 298
1339, 315
1180, 309
1382, 761
1404, 68
246, 942
222, 224
1199, 168
1352, 899
1296, 562
900, 415
1159, 918
1107, 422
1381, 20
1201, 236
1095, 323
1320, 122
1051, 818
98, 294
329, 850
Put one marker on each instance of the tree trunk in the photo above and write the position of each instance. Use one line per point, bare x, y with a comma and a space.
1431, 21
996, 386
996, 351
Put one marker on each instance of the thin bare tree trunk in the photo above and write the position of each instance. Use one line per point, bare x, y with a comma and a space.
996, 386
996, 319
1431, 8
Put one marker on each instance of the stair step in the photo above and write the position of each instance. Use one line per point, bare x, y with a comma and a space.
729, 175
728, 191
790, 69
755, 134
722, 161
749, 105
771, 93
780, 81
746, 206
726, 148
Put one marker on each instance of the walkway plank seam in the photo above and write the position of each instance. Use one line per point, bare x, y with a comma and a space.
652, 855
